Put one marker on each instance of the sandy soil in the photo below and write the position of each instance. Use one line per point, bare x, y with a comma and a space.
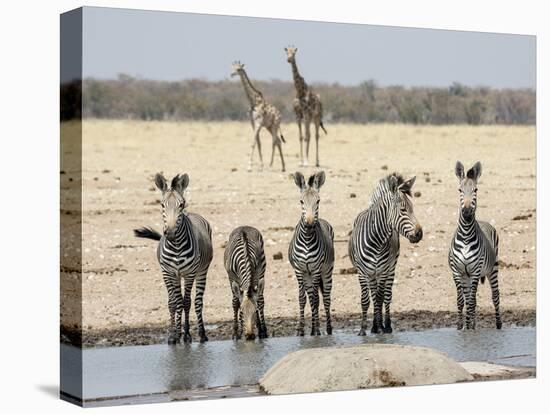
122, 286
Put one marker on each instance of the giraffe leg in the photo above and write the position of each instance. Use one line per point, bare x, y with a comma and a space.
308, 135
274, 139
299, 120
259, 144
255, 140
317, 144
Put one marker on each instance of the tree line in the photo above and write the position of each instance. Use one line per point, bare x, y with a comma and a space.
195, 99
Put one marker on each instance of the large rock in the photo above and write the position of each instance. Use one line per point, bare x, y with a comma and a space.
363, 366
486, 371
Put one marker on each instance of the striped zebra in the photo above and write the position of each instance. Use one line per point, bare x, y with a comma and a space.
473, 255
374, 245
311, 253
244, 261
184, 251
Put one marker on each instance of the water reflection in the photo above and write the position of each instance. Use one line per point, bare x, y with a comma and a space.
136, 370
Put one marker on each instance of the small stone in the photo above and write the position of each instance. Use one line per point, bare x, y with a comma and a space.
233, 169
384, 167
278, 256
352, 195
417, 194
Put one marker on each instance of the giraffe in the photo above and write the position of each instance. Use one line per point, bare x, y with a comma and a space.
262, 114
307, 107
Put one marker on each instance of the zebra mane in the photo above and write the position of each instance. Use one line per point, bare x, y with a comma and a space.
383, 187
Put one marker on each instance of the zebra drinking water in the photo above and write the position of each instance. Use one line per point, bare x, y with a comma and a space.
374, 245
244, 261
184, 251
311, 253
473, 255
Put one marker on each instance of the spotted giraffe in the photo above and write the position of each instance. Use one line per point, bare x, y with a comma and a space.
307, 107
262, 114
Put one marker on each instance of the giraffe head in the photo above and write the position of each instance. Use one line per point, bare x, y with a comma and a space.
238, 67
291, 53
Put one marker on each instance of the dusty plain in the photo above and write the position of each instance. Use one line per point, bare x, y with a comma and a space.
124, 300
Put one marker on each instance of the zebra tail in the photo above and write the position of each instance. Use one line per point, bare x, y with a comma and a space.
147, 233
482, 279
323, 127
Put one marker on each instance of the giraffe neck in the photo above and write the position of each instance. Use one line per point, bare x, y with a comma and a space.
254, 95
299, 82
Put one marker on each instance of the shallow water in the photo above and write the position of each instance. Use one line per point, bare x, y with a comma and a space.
124, 371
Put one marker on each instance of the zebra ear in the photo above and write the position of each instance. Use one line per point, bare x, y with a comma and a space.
393, 183
300, 180
317, 180
407, 185
160, 182
180, 183
459, 170
475, 172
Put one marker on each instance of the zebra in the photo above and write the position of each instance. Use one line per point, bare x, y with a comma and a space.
244, 261
184, 251
374, 245
311, 253
473, 255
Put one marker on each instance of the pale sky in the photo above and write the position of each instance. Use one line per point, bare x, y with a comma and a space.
176, 46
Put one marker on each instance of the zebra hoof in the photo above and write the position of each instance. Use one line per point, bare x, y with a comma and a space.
203, 339
387, 329
300, 332
329, 330
459, 326
499, 324
362, 332
187, 338
173, 340
375, 330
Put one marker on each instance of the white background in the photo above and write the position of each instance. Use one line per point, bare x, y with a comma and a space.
29, 227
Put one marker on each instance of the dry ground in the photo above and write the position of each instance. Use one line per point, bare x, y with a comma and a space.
122, 286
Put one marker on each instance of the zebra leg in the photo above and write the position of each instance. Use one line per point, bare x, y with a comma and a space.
460, 306
314, 303
493, 280
186, 307
173, 302
326, 289
302, 302
200, 285
378, 299
262, 330
365, 302
387, 301
236, 307
471, 310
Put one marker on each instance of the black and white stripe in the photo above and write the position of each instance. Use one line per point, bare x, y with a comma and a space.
311, 253
374, 245
244, 261
184, 251
473, 255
